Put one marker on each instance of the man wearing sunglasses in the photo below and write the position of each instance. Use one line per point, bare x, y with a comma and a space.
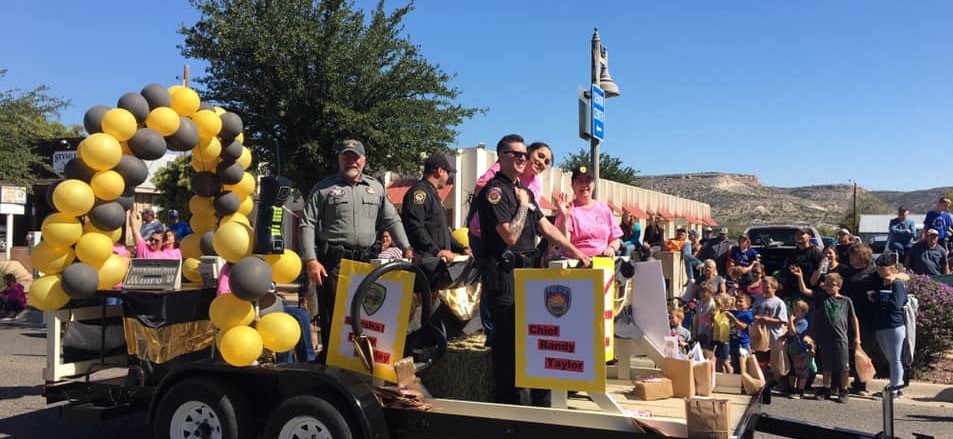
510, 221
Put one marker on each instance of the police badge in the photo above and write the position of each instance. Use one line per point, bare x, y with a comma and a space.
557, 299
373, 299
419, 197
494, 195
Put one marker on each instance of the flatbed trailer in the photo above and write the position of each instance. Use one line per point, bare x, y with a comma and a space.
210, 399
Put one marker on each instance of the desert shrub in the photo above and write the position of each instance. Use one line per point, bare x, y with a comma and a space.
934, 323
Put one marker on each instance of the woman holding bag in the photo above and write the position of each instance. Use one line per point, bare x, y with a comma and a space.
888, 316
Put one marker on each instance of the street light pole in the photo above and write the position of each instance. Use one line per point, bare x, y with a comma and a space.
856, 232
595, 58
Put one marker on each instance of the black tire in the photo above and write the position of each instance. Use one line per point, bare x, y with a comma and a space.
306, 416
226, 413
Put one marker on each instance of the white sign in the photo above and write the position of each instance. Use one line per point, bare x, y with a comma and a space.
648, 301
12, 209
12, 194
60, 158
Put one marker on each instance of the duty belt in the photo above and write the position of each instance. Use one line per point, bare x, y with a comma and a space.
336, 252
510, 259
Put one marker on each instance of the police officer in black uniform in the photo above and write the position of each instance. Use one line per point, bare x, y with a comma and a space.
423, 215
510, 221
342, 218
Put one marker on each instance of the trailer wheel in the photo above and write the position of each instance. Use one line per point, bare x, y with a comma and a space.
306, 417
204, 409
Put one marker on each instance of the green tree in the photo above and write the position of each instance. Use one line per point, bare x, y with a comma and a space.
866, 204
172, 181
610, 168
25, 117
306, 74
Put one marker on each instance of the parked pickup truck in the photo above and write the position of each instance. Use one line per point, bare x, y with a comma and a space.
775, 243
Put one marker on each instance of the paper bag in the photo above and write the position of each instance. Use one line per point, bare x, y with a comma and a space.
865, 367
703, 378
780, 363
652, 388
752, 379
680, 372
760, 336
707, 418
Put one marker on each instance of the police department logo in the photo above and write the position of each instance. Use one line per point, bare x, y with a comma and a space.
557, 299
370, 189
336, 193
373, 299
494, 195
419, 197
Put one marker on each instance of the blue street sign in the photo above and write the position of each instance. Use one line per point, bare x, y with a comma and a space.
598, 109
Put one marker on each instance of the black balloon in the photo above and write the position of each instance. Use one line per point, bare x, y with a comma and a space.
250, 278
127, 198
231, 127
185, 138
147, 144
108, 216
80, 281
157, 96
93, 120
132, 170
135, 104
206, 244
227, 203
229, 172
49, 194
76, 169
204, 184
231, 151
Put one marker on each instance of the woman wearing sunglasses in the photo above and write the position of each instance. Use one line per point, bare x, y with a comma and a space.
151, 247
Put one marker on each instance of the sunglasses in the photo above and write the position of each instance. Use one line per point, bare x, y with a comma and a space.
516, 154
154, 240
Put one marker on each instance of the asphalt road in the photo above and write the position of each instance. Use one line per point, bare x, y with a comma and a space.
24, 413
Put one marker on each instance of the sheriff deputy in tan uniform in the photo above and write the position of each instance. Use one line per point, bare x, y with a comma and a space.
343, 215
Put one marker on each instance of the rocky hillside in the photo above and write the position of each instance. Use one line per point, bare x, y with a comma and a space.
917, 201
739, 200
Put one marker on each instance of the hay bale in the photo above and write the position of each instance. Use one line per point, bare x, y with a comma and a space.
464, 372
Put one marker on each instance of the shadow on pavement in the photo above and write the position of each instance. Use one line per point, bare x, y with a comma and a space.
47, 424
13, 392
930, 418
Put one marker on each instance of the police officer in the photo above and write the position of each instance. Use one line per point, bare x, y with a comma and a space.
423, 215
342, 217
510, 221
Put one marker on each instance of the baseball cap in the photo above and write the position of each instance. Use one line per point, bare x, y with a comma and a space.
439, 161
707, 229
172, 213
147, 210
807, 230
351, 145
932, 232
722, 230
692, 232
580, 172
887, 259
843, 232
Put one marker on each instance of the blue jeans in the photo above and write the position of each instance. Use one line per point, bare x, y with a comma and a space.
304, 350
486, 317
891, 343
690, 263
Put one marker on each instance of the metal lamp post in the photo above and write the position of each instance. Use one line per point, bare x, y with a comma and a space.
599, 76
854, 198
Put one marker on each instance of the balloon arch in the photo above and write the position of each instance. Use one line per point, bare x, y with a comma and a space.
90, 206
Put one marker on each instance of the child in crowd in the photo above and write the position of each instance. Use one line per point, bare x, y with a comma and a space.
721, 330
833, 321
754, 289
704, 315
741, 318
800, 349
12, 298
675, 318
773, 313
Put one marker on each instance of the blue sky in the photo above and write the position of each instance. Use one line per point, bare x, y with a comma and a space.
797, 93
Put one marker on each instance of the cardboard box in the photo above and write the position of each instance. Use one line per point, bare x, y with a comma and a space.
680, 372
704, 378
708, 418
652, 388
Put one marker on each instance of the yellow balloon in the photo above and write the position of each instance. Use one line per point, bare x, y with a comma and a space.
462, 236
126, 149
61, 229
189, 246
248, 204
46, 293
164, 120
201, 166
228, 311
219, 110
107, 185
50, 259
240, 346
207, 122
94, 248
73, 197
232, 241
199, 205
202, 223
243, 188
113, 235
119, 123
240, 137
190, 269
112, 271
237, 217
207, 150
185, 101
100, 151
285, 267
279, 331
174, 88
245, 159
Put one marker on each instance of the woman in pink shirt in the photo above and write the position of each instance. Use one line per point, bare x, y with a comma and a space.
540, 157
588, 223
150, 248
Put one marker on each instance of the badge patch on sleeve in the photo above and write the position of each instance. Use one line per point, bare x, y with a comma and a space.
494, 195
419, 197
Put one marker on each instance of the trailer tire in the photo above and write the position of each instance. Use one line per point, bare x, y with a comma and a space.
202, 408
306, 416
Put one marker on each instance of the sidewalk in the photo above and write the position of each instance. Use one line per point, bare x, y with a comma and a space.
919, 393
30, 317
